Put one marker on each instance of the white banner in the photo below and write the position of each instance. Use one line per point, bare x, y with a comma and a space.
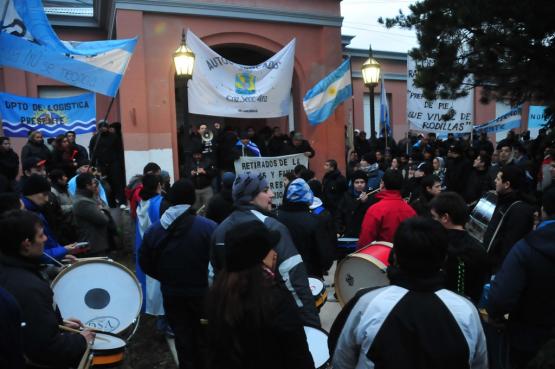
273, 169
222, 88
427, 116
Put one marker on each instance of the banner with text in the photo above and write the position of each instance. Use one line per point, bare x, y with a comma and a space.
430, 115
504, 122
222, 88
536, 119
52, 117
273, 169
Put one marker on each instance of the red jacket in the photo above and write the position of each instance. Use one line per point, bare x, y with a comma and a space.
382, 219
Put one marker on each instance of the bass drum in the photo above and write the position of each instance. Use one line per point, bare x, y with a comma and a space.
362, 269
481, 216
103, 294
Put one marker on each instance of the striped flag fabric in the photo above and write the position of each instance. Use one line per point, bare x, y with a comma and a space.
385, 121
28, 42
322, 99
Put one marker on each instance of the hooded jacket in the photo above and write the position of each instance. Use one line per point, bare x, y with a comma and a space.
34, 150
523, 287
289, 263
43, 342
383, 218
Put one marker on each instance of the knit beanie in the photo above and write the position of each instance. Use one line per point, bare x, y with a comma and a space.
247, 186
182, 192
359, 174
35, 184
299, 191
247, 244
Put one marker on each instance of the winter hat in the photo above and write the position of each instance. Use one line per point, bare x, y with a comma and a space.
247, 186
102, 123
227, 179
182, 192
424, 167
35, 184
247, 244
359, 174
32, 162
299, 191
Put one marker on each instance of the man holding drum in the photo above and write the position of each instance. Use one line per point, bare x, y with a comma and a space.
44, 345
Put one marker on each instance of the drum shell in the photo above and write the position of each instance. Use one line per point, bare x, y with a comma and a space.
362, 269
108, 358
318, 289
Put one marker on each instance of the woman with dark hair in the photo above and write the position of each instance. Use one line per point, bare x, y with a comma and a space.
253, 321
64, 156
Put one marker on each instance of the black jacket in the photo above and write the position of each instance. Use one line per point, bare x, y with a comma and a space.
479, 182
350, 214
290, 149
43, 342
517, 223
220, 206
309, 236
413, 323
34, 150
279, 343
523, 287
201, 180
107, 152
467, 265
334, 186
9, 164
456, 175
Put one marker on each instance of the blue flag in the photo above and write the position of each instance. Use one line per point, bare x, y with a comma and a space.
384, 112
322, 99
52, 117
28, 42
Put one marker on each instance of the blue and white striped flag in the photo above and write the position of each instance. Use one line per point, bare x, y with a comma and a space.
322, 99
384, 112
28, 42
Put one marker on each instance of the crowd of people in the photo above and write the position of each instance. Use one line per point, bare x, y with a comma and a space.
229, 271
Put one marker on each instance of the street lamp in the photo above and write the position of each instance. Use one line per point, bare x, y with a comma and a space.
371, 76
184, 61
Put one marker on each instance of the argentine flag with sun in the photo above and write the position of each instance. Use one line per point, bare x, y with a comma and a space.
322, 99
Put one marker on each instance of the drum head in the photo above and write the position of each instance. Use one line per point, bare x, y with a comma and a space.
102, 294
107, 342
356, 272
317, 345
316, 286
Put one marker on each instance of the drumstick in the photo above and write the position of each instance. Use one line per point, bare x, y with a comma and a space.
86, 326
85, 358
51, 258
73, 330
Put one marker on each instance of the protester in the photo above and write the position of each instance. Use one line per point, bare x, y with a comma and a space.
369, 165
175, 251
35, 196
523, 288
299, 145
430, 187
479, 181
10, 201
136, 185
9, 163
334, 185
245, 147
466, 266
35, 148
59, 189
201, 173
458, 168
438, 165
148, 212
44, 344
92, 219
512, 218
415, 322
82, 153
64, 156
277, 143
220, 205
353, 206
85, 167
307, 230
31, 166
253, 201
383, 218
11, 344
252, 317
106, 153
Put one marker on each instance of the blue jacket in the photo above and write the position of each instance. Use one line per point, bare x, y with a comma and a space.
183, 262
51, 246
523, 287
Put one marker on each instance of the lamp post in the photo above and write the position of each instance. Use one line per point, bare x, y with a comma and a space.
184, 61
371, 76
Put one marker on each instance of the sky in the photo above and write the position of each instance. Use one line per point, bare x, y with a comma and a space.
361, 20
